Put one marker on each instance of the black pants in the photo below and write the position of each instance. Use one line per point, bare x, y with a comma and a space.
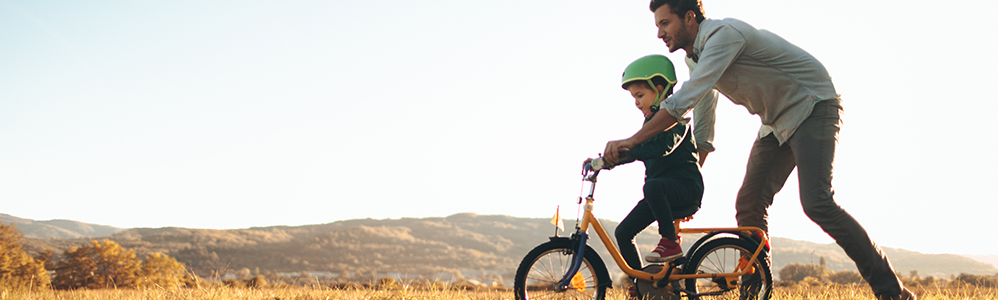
665, 200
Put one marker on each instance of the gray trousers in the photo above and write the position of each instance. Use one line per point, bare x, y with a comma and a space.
812, 150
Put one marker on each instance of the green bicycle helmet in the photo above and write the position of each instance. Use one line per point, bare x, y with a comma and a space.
649, 67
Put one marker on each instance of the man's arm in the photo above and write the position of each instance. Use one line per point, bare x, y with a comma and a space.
703, 156
722, 47
703, 119
662, 144
703, 125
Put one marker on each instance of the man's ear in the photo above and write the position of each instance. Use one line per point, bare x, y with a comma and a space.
690, 16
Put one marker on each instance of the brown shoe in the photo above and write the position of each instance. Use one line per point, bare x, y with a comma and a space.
904, 295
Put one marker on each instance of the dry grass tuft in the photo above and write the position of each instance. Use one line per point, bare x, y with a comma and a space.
860, 292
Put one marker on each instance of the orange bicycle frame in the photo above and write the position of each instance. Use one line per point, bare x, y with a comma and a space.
589, 220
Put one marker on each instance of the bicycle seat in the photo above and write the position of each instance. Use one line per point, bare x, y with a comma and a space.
685, 219
685, 213
680, 220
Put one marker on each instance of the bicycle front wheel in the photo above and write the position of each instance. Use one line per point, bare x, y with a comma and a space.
539, 272
723, 255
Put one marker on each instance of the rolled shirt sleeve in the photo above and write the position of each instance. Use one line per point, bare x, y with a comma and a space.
704, 116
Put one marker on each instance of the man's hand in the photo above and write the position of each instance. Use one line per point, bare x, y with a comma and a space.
611, 155
703, 156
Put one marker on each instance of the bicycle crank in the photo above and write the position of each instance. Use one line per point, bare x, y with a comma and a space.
648, 290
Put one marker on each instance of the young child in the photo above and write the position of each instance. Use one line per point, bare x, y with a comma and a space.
673, 186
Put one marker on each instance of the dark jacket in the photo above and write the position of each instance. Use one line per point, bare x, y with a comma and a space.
670, 154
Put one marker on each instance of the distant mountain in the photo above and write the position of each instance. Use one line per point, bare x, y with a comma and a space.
427, 246
991, 259
57, 228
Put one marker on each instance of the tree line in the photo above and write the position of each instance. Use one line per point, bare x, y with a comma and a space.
99, 264
106, 264
819, 275
364, 250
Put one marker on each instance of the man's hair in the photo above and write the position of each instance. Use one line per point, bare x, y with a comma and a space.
680, 7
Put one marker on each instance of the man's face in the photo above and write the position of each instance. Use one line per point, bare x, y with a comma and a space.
672, 29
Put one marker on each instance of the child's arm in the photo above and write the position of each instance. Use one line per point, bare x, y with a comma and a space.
660, 145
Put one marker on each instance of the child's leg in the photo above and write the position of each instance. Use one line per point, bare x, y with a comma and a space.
662, 194
637, 220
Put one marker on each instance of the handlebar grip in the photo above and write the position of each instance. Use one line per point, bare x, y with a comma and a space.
596, 164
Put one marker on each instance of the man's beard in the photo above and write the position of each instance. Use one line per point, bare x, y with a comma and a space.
681, 39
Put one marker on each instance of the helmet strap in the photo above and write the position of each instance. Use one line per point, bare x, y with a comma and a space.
659, 96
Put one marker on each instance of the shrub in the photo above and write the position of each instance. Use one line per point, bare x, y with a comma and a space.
97, 265
811, 281
257, 282
978, 280
387, 283
845, 277
161, 270
346, 286
796, 272
17, 269
233, 283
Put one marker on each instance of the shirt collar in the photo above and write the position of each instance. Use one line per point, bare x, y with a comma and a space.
700, 39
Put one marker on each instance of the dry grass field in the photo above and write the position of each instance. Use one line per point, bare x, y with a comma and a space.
403, 293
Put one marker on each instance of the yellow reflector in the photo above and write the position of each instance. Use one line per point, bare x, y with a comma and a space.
742, 263
579, 282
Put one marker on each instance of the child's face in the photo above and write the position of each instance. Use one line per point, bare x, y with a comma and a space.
644, 97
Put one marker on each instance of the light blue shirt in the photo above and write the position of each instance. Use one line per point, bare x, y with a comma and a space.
703, 115
757, 69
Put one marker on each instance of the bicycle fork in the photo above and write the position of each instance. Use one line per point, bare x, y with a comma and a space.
579, 239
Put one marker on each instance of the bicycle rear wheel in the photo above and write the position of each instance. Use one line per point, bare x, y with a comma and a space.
542, 268
723, 256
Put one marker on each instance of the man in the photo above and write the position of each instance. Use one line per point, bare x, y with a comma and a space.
793, 96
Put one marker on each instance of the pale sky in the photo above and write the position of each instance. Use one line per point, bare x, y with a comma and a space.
234, 114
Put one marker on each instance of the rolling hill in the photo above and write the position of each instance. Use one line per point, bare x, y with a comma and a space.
57, 228
425, 246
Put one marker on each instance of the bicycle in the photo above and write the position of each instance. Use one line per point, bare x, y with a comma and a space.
723, 262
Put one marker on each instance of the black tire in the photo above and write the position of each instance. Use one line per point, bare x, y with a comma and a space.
543, 266
721, 256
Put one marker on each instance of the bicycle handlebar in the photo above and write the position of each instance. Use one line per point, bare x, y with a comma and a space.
597, 163
591, 169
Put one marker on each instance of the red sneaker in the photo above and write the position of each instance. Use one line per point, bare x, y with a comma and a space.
666, 251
